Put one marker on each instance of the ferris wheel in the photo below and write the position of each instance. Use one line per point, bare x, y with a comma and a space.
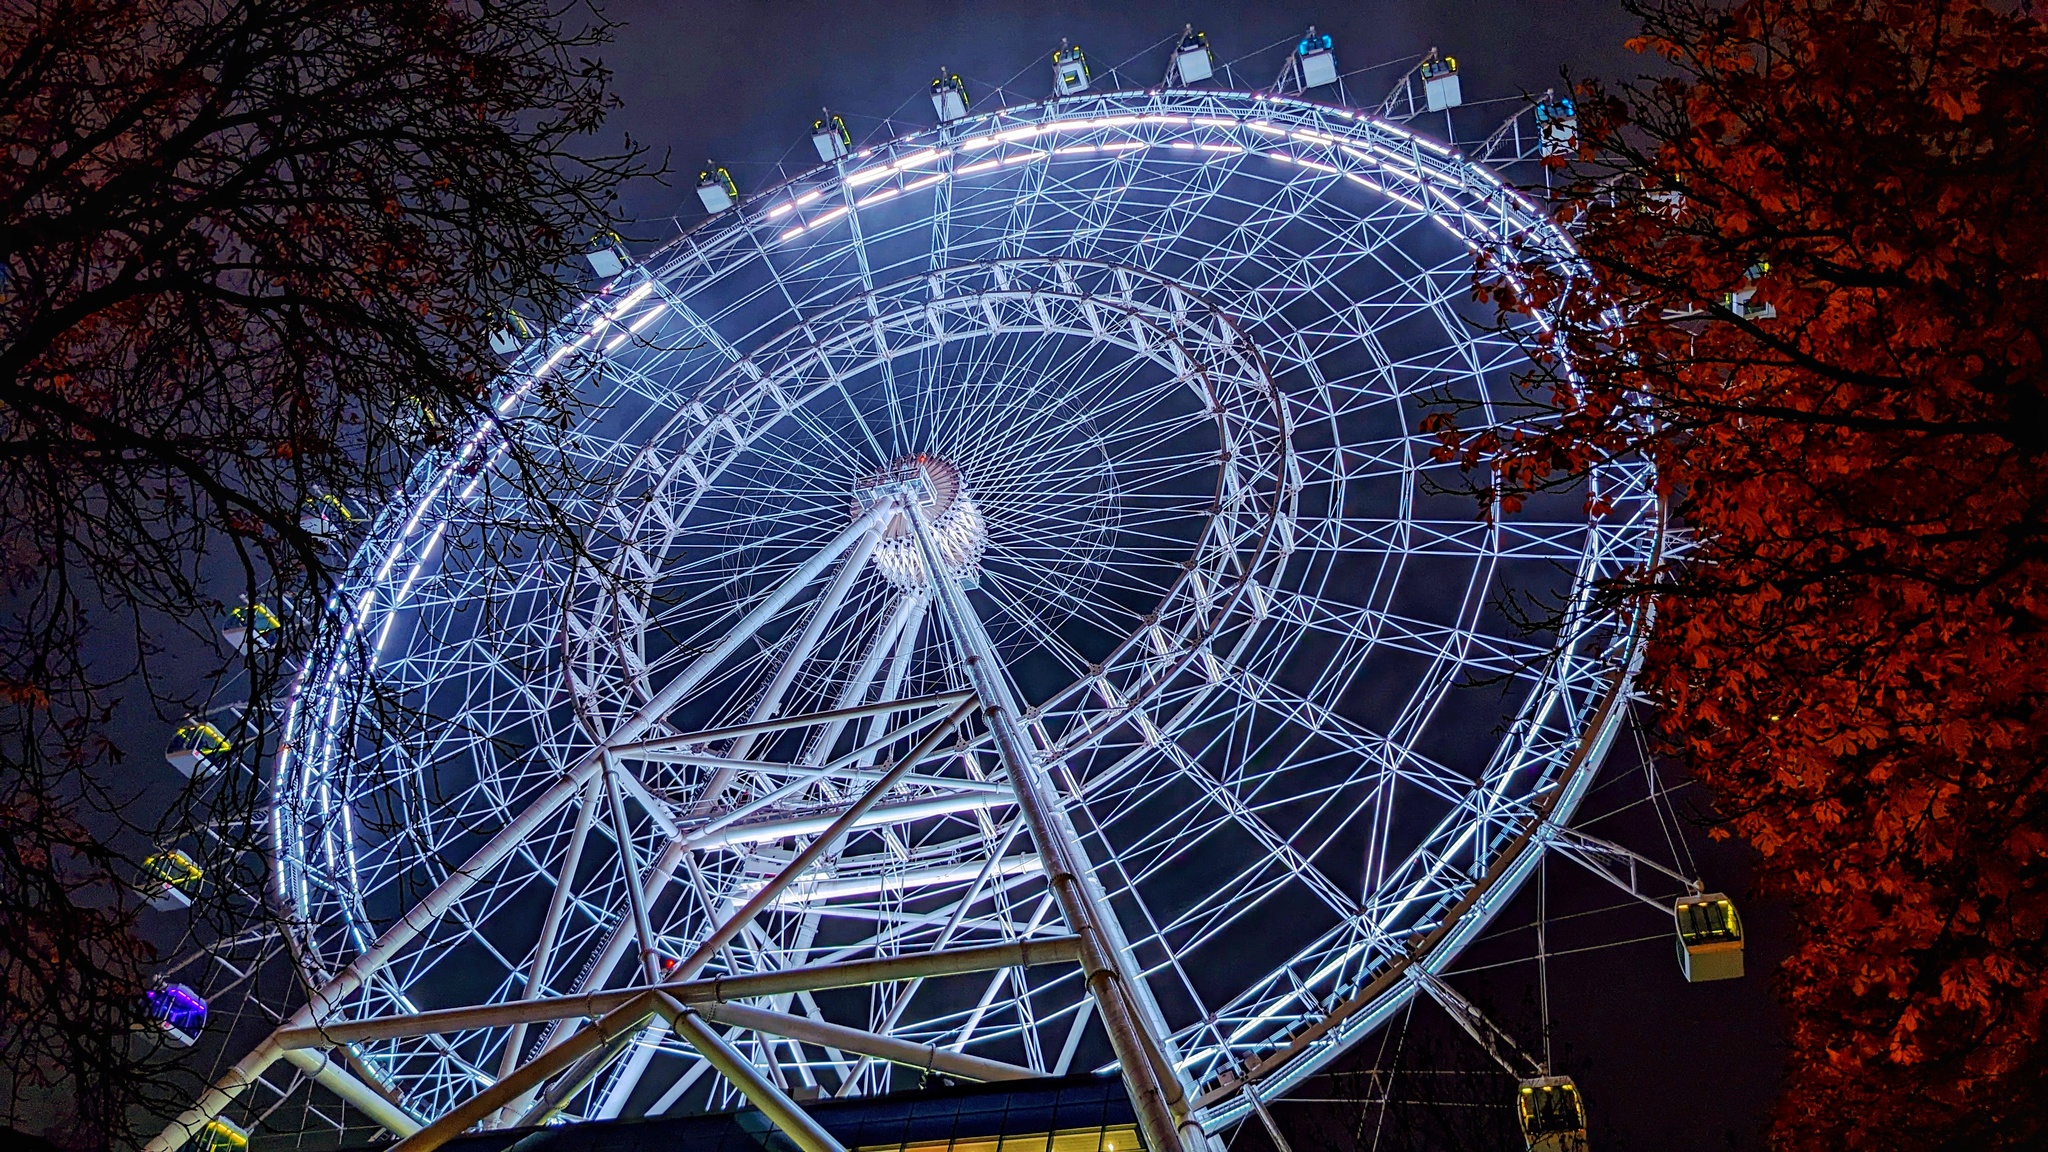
1019, 630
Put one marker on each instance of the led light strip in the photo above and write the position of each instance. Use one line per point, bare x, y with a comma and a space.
1379, 156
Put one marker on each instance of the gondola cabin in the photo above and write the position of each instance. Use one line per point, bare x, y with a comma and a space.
1440, 89
1552, 1115
220, 1136
1193, 62
326, 515
168, 880
949, 96
1069, 70
607, 254
1709, 937
1316, 56
830, 137
199, 749
716, 189
250, 625
1557, 127
1743, 301
176, 1012
511, 334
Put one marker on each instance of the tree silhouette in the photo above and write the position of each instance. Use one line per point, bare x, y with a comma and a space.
1818, 244
251, 252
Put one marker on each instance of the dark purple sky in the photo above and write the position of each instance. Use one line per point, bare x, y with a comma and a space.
741, 80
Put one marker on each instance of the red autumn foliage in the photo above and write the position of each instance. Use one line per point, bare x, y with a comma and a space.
250, 254
1853, 657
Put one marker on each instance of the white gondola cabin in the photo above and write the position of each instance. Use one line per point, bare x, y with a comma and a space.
1316, 57
1743, 301
1709, 937
1552, 1115
607, 254
512, 333
250, 626
949, 96
716, 189
168, 880
1440, 88
1193, 62
326, 515
199, 749
1557, 127
830, 137
1069, 70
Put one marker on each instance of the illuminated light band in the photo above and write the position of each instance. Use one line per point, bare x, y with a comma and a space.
1408, 169
379, 556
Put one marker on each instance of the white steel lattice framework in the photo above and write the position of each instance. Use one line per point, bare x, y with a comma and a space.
1019, 633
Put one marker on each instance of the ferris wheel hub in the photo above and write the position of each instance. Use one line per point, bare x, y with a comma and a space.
937, 490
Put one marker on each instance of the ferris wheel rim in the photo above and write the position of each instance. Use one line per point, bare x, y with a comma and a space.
1220, 1110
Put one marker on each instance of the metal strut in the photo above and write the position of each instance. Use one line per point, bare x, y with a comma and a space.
1491, 1036
1156, 1092
1617, 865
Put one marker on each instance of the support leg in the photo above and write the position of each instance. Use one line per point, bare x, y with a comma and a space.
1155, 1089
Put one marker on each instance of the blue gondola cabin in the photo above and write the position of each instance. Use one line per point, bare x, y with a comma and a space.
1316, 56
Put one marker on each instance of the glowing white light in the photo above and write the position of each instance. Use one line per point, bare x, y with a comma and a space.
1232, 148
781, 210
868, 175
1021, 157
1403, 199
925, 182
645, 319
648, 317
809, 197
1075, 150
632, 298
982, 166
876, 197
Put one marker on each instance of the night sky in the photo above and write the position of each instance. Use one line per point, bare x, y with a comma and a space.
1663, 1064
742, 81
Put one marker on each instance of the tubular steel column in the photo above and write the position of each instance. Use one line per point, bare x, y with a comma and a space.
1155, 1090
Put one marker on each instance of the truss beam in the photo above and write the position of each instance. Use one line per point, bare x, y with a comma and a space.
859, 973
864, 1043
